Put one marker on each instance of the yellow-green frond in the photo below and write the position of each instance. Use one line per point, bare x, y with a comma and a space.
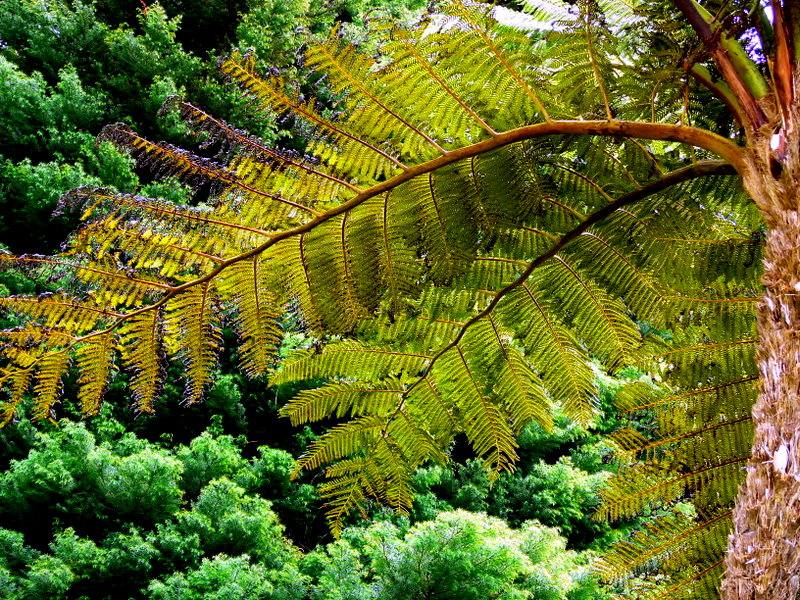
193, 327
95, 362
140, 340
256, 314
47, 388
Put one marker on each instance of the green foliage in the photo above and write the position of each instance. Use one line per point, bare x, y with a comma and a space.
457, 556
558, 495
112, 517
208, 458
68, 475
227, 541
270, 476
226, 578
277, 29
227, 520
48, 577
13, 552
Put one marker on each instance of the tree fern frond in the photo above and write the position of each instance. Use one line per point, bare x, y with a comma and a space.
34, 336
382, 469
492, 272
697, 585
620, 275
141, 349
472, 247
240, 144
482, 419
350, 359
723, 317
582, 60
692, 362
732, 399
399, 267
167, 159
640, 487
421, 333
344, 399
598, 318
110, 282
689, 444
708, 260
95, 363
407, 446
352, 73
517, 98
319, 275
119, 220
17, 381
353, 157
517, 387
549, 12
195, 170
256, 316
59, 310
353, 438
427, 405
675, 537
50, 369
414, 59
344, 491
194, 325
515, 185
448, 240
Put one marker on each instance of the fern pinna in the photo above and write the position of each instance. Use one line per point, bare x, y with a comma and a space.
496, 201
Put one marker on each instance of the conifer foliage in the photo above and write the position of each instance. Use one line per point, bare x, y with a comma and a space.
493, 201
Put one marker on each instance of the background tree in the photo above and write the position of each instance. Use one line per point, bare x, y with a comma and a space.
457, 555
486, 204
72, 67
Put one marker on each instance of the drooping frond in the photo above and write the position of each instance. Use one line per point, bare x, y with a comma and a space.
141, 345
196, 170
193, 327
95, 362
338, 148
552, 348
16, 381
485, 424
344, 399
59, 310
256, 313
687, 547
701, 440
47, 387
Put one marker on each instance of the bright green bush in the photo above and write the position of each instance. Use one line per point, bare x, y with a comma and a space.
206, 458
228, 578
457, 556
229, 521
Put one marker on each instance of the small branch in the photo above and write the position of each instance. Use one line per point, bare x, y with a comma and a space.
783, 67
745, 81
791, 12
719, 89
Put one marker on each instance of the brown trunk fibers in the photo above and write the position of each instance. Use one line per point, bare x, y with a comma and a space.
763, 560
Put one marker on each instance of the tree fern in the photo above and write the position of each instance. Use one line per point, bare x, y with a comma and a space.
487, 205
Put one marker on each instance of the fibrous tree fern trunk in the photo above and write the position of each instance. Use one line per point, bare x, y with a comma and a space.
763, 560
